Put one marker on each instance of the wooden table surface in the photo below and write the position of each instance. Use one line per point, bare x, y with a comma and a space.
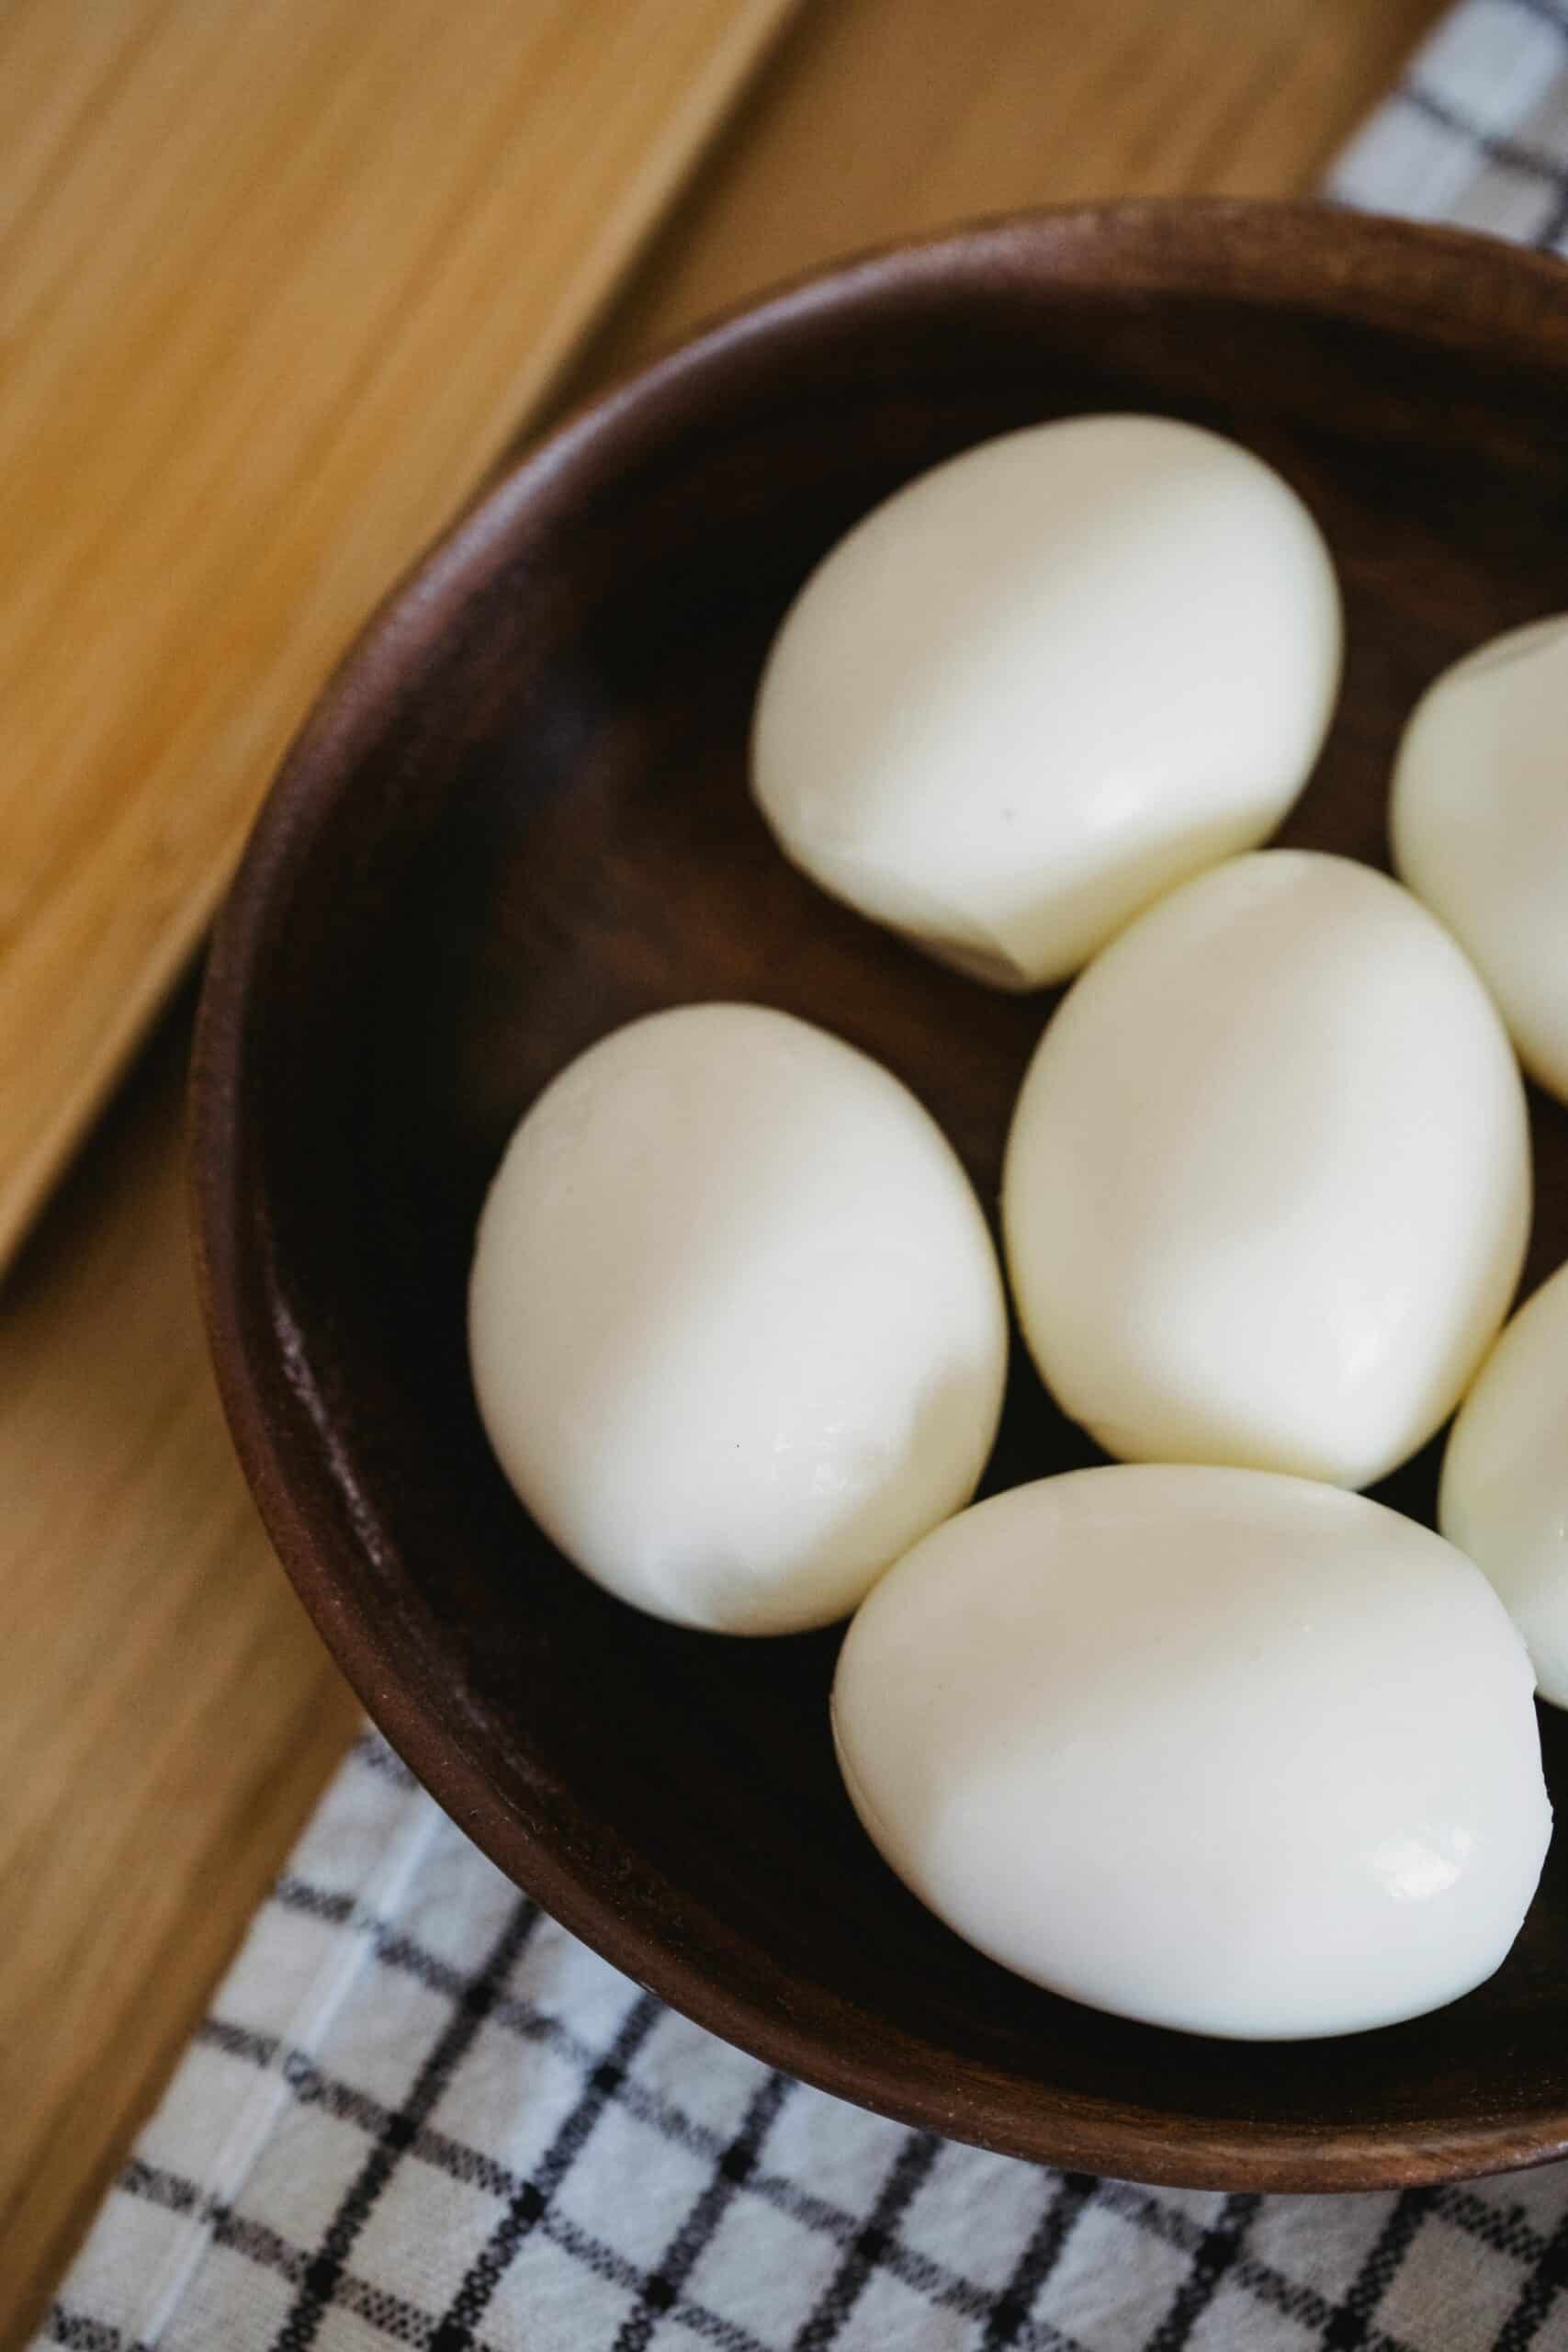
166, 1715
277, 281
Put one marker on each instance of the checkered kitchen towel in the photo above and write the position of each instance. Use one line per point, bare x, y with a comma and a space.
422, 2114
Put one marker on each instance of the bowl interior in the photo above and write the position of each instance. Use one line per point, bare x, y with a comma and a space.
521, 818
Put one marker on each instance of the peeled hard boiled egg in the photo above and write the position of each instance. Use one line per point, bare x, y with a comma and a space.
1267, 1184
1219, 1750
736, 1324
1505, 1491
1043, 682
1479, 820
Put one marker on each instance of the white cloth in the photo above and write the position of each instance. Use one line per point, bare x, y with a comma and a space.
420, 2113
1477, 131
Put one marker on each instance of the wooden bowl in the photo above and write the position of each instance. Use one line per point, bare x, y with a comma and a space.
518, 816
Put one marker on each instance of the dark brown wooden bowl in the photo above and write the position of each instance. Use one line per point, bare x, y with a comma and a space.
518, 816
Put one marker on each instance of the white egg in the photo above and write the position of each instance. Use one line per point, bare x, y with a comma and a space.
1505, 1490
1479, 819
1212, 1748
736, 1324
1267, 1185
1045, 680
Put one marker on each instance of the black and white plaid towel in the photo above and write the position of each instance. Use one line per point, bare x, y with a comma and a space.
422, 2114
1477, 131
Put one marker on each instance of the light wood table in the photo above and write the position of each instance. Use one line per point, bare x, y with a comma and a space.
275, 282
166, 1715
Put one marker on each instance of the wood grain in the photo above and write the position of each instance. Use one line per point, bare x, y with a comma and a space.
170, 1716
166, 1713
884, 117
275, 282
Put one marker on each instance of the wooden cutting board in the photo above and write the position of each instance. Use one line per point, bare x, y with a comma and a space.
278, 280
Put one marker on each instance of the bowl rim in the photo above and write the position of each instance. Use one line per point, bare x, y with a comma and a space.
1400, 272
